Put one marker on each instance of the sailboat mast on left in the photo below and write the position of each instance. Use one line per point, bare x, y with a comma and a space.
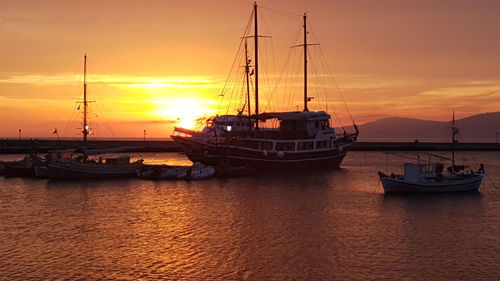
85, 130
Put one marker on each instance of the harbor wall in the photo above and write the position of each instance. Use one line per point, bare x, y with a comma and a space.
42, 146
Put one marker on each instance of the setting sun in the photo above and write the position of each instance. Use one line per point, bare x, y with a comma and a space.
186, 112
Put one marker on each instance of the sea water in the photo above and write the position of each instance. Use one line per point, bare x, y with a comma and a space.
315, 225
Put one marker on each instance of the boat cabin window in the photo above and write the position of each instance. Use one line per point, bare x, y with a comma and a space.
267, 145
427, 168
285, 146
325, 124
323, 144
305, 145
293, 125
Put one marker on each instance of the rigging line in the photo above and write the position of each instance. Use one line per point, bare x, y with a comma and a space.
247, 28
267, 67
266, 72
63, 108
273, 93
229, 77
491, 181
294, 85
281, 12
289, 90
332, 76
233, 83
313, 64
337, 87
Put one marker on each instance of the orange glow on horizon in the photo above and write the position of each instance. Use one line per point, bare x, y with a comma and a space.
186, 112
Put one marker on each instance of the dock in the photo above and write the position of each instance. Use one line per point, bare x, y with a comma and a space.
42, 146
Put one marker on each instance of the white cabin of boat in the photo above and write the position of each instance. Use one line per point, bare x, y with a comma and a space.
278, 125
421, 172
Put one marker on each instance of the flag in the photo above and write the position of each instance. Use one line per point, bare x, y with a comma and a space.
78, 108
55, 131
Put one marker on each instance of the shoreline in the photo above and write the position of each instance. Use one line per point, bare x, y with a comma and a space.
118, 146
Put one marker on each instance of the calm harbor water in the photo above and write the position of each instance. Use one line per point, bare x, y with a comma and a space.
328, 225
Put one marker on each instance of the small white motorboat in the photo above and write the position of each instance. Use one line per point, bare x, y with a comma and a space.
429, 177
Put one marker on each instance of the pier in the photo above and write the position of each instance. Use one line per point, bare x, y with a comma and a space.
41, 146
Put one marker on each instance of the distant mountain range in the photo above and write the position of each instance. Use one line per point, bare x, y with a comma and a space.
481, 128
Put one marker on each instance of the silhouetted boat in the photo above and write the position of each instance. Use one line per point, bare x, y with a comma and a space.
66, 166
112, 167
22, 168
293, 139
40, 167
431, 177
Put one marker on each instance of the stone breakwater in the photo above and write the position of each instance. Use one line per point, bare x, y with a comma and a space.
41, 146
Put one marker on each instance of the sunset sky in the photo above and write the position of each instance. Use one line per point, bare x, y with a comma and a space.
156, 64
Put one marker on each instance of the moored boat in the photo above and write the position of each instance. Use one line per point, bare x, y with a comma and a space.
40, 167
271, 140
113, 167
429, 177
22, 168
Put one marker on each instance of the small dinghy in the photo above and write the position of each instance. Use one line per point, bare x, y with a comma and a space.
196, 172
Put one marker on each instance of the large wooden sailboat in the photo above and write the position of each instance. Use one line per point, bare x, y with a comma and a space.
298, 139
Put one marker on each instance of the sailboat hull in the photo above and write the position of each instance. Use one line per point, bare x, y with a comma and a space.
74, 170
209, 154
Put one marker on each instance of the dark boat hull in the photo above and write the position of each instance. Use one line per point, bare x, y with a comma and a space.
75, 170
209, 154
461, 185
18, 170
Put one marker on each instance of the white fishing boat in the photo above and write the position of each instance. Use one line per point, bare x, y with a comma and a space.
432, 177
268, 140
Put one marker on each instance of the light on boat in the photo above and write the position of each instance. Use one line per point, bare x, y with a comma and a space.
228, 128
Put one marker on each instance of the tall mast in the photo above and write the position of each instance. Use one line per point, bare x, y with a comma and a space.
256, 43
247, 73
305, 63
85, 130
453, 132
